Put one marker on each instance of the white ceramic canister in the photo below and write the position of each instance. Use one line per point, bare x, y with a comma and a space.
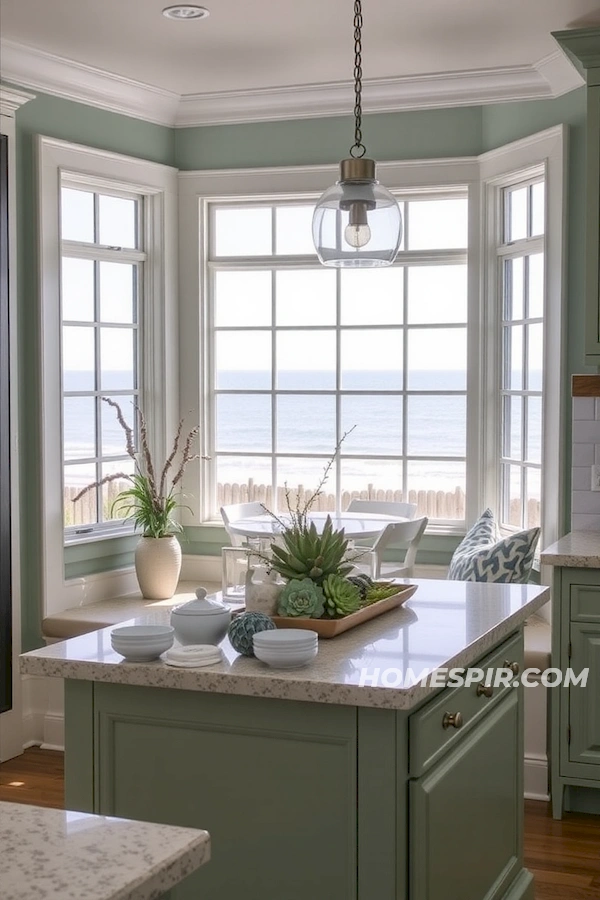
262, 590
200, 621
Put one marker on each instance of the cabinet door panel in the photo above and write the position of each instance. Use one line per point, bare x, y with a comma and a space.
464, 840
584, 703
250, 771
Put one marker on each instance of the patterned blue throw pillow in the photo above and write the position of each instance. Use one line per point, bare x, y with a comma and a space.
485, 556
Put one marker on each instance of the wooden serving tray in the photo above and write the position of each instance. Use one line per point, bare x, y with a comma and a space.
329, 628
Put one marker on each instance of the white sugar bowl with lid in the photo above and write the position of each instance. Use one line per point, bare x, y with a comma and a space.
200, 621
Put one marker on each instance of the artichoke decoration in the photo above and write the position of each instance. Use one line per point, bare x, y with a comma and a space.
301, 598
243, 627
342, 597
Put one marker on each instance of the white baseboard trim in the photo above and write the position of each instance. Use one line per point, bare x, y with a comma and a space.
535, 782
54, 731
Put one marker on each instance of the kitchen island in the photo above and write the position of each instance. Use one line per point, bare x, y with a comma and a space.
338, 781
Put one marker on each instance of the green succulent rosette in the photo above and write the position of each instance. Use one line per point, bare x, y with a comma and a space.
342, 597
302, 598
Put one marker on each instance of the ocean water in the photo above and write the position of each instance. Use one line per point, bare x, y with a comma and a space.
431, 424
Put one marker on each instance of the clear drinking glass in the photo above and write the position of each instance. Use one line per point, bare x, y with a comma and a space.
234, 561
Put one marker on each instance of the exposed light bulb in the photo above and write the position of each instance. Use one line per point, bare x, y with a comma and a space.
357, 235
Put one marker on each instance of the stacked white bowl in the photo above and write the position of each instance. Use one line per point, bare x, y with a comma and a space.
142, 642
286, 648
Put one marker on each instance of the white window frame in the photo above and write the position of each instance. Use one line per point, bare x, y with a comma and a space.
200, 190
158, 378
136, 257
546, 152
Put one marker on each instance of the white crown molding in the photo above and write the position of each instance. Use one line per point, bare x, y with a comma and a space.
385, 95
38, 70
560, 73
11, 99
550, 77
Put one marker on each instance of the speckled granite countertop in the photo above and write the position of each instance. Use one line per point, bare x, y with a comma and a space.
62, 855
445, 624
579, 549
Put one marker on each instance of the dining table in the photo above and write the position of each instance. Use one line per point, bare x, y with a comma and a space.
356, 525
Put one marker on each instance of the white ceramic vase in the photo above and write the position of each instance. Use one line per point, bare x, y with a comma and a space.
157, 566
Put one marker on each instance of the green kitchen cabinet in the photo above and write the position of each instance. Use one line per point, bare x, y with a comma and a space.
442, 856
318, 800
575, 710
583, 46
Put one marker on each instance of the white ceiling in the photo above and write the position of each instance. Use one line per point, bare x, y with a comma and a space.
273, 44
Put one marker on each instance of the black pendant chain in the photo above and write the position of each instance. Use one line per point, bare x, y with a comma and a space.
357, 149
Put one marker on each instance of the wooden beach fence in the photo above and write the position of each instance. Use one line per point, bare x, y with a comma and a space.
433, 504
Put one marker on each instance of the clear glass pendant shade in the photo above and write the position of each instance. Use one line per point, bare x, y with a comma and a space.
357, 224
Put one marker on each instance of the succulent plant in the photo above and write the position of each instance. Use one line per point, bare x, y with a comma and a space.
342, 597
301, 598
308, 554
379, 590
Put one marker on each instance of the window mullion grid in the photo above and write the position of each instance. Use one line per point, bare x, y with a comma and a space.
274, 446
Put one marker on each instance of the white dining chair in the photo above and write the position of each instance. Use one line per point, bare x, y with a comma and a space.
236, 511
384, 507
396, 535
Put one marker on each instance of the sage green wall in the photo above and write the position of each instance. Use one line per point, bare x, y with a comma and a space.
422, 134
81, 124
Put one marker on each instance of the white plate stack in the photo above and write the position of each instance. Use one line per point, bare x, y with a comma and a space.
286, 648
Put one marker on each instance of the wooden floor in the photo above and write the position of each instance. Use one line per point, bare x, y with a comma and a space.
563, 855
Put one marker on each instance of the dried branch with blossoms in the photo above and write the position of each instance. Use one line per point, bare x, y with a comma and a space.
151, 500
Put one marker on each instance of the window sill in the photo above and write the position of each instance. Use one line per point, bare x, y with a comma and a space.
93, 537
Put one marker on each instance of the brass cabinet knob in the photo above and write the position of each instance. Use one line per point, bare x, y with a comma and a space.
484, 690
513, 666
454, 720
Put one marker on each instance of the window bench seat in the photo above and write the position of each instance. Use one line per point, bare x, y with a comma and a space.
83, 619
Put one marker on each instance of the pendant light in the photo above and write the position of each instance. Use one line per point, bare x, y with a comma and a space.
357, 222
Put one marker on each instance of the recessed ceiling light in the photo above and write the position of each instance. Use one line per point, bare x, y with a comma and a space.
185, 12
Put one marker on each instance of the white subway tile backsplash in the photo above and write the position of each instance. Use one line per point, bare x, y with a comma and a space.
584, 408
597, 407
581, 522
581, 478
585, 432
586, 502
583, 455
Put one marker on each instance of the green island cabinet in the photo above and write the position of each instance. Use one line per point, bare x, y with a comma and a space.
575, 710
319, 783
583, 47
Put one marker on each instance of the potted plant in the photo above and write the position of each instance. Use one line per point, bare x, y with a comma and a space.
150, 503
